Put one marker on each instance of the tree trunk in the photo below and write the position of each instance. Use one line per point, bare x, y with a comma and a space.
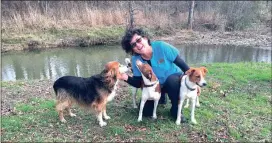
131, 15
190, 17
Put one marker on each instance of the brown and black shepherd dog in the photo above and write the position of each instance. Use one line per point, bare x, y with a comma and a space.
92, 93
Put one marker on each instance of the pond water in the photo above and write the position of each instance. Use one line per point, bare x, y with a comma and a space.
54, 63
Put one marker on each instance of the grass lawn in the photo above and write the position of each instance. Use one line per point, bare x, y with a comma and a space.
234, 107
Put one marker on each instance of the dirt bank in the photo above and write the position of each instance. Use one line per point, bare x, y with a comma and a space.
252, 39
260, 39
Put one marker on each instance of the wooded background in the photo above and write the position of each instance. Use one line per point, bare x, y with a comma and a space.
211, 15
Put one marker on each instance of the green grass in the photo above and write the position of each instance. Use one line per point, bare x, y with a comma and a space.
92, 36
60, 37
239, 110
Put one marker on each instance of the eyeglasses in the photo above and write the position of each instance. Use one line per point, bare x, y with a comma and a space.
139, 40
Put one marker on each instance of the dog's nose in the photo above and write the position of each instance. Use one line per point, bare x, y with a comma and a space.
204, 84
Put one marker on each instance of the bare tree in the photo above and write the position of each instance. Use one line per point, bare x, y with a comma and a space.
190, 17
131, 15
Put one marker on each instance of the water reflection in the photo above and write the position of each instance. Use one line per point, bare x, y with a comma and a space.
85, 62
58, 62
229, 54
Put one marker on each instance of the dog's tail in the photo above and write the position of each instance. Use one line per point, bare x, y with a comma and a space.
55, 88
129, 65
61, 94
128, 62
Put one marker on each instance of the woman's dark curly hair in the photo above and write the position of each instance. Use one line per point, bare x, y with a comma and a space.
128, 36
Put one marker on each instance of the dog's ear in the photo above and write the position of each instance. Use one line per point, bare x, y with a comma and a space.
114, 72
204, 69
109, 73
150, 75
190, 71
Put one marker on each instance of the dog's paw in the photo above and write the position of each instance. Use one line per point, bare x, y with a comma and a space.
178, 122
154, 117
194, 121
102, 124
186, 106
72, 115
63, 120
135, 106
197, 105
107, 117
139, 119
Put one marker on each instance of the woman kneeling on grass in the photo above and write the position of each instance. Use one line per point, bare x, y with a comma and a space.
165, 62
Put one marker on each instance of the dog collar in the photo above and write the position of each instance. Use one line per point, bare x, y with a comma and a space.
150, 84
191, 89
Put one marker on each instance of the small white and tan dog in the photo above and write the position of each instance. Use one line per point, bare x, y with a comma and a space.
151, 88
133, 89
193, 78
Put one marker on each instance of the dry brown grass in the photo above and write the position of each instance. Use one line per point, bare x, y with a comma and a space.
30, 16
34, 19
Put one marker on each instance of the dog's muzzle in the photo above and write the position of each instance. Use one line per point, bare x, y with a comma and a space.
201, 85
123, 69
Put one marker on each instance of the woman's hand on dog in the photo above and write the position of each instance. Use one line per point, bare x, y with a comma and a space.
124, 77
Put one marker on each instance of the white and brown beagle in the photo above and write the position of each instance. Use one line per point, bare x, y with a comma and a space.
151, 88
